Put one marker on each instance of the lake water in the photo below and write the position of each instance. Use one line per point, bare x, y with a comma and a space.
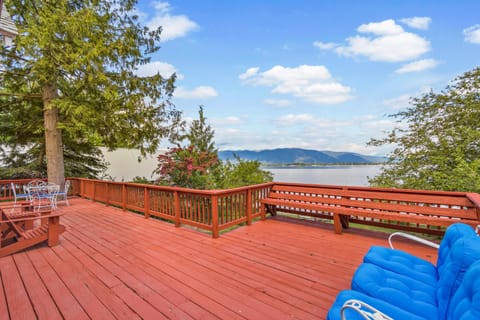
124, 166
354, 175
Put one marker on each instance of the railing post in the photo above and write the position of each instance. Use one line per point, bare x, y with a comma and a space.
249, 206
107, 191
94, 190
215, 216
82, 189
124, 197
146, 202
176, 199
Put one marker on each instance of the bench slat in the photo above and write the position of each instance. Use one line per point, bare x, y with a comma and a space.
445, 199
396, 216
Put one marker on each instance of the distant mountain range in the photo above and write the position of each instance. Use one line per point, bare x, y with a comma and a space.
285, 156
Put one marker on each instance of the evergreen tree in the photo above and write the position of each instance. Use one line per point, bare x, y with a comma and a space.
193, 165
78, 60
201, 134
438, 147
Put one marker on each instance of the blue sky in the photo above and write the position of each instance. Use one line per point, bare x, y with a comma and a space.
321, 75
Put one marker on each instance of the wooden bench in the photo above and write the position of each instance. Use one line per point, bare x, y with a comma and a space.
19, 232
412, 210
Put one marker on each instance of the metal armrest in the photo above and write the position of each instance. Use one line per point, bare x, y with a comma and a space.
365, 310
412, 237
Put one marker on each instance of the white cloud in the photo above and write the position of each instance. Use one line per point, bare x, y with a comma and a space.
293, 119
278, 102
472, 34
152, 68
324, 45
421, 23
249, 73
201, 92
384, 41
386, 27
310, 83
227, 121
312, 122
418, 66
173, 26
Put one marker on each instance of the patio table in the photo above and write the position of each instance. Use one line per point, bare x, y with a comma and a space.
44, 196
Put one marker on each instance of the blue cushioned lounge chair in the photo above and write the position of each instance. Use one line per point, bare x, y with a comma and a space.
415, 296
463, 305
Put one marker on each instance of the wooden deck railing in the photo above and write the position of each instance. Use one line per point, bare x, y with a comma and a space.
209, 210
217, 210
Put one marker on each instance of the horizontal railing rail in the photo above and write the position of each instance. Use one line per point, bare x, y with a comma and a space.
217, 210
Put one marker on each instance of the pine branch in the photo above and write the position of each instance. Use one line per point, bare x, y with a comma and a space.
25, 95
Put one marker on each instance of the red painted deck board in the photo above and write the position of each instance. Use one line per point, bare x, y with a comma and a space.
112, 264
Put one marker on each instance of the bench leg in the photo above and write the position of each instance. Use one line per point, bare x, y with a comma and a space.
262, 211
345, 221
273, 210
337, 223
54, 231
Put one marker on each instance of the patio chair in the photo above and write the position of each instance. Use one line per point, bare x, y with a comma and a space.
411, 266
49, 230
19, 196
63, 195
36, 183
463, 305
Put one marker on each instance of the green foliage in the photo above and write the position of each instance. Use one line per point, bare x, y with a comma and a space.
186, 167
438, 142
242, 173
88, 52
200, 135
142, 180
22, 147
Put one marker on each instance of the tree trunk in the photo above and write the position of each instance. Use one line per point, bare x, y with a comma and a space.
53, 137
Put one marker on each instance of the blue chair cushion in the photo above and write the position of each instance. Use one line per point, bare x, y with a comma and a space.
404, 292
452, 234
390, 310
22, 195
463, 254
403, 263
465, 304
409, 265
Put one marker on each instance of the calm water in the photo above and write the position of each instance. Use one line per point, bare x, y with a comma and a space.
337, 175
124, 166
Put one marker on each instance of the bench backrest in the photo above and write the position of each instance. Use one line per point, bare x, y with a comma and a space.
465, 304
463, 254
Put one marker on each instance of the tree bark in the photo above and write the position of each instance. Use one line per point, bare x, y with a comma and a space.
53, 137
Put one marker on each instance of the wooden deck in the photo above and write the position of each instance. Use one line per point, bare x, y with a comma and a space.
112, 264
